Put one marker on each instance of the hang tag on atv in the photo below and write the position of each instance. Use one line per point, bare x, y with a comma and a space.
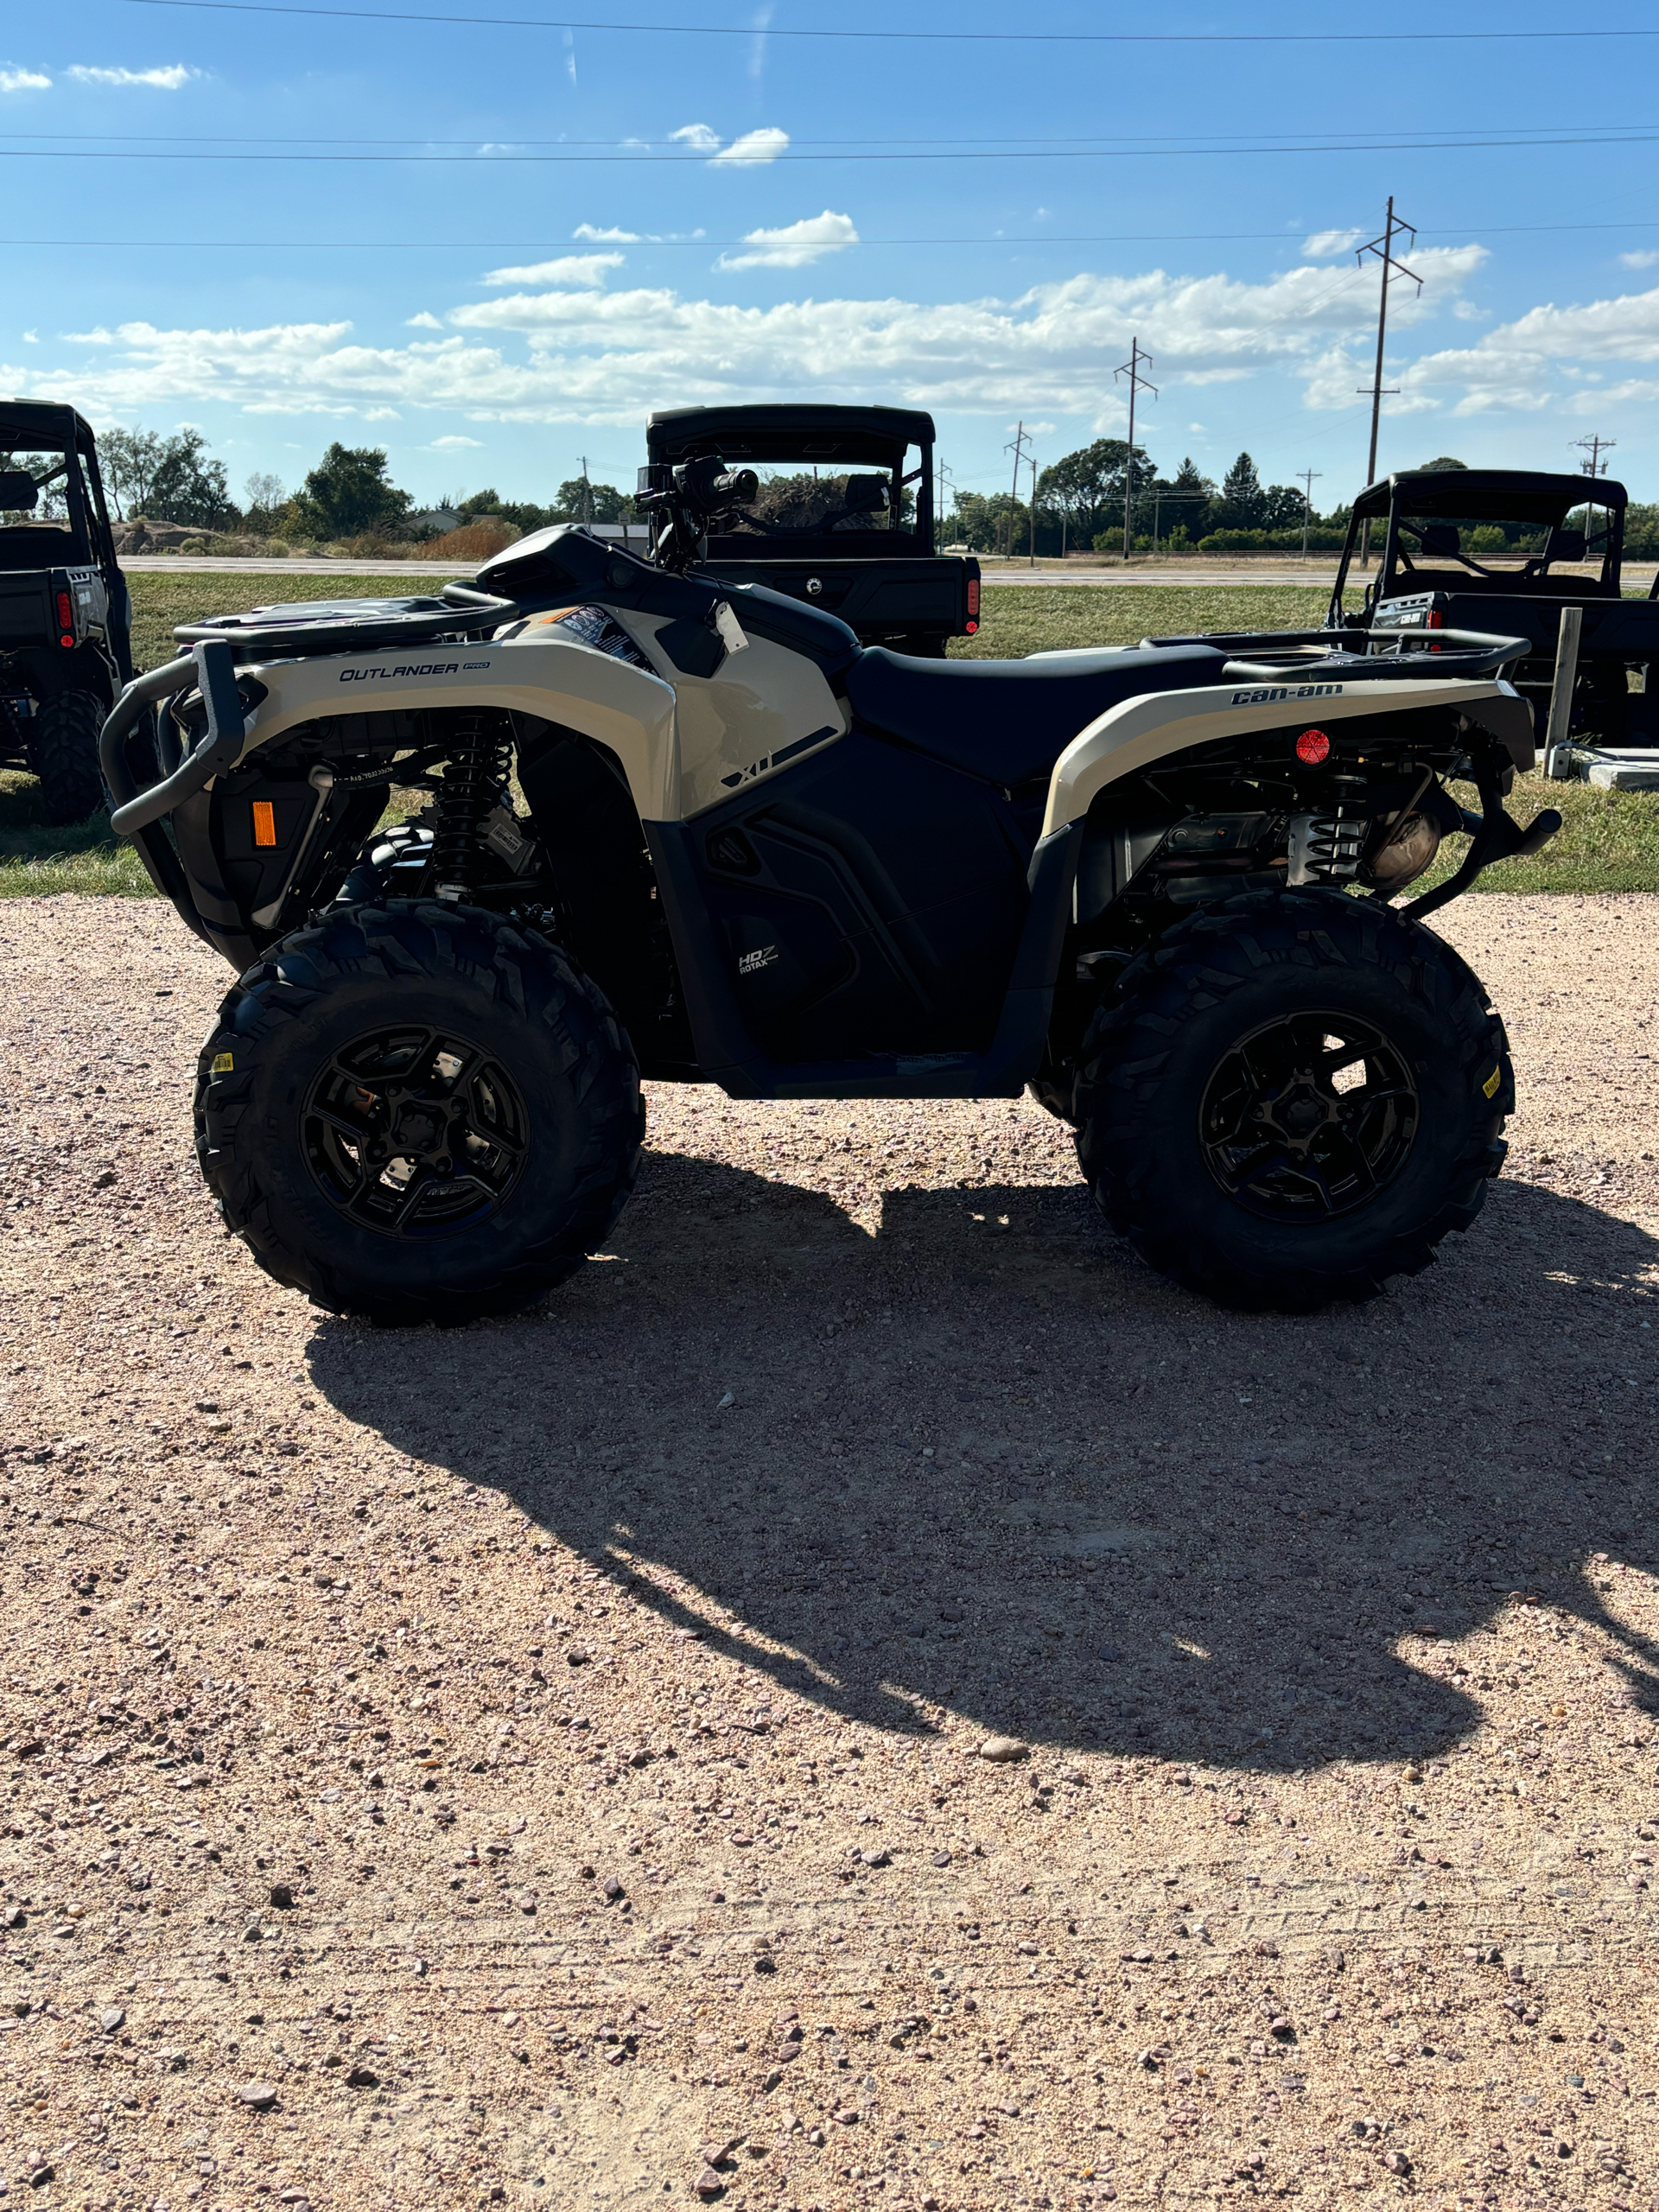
730, 629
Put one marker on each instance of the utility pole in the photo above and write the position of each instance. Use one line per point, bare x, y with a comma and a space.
1018, 449
947, 478
1034, 510
1595, 466
587, 492
1384, 250
1131, 369
1305, 476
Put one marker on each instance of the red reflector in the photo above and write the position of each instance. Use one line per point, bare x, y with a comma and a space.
972, 628
67, 642
66, 611
1313, 748
264, 822
972, 594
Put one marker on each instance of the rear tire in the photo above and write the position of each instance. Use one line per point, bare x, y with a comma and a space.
63, 734
1295, 1096
415, 1111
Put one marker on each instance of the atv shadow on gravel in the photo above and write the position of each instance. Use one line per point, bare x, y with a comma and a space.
984, 1461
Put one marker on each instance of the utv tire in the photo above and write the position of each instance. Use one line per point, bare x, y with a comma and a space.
62, 751
1292, 1098
416, 1111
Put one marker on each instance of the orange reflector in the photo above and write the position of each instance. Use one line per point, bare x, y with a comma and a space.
264, 822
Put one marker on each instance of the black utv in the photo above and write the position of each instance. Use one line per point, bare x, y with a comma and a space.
1502, 549
65, 619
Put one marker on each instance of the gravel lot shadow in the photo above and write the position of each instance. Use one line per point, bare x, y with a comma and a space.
983, 1460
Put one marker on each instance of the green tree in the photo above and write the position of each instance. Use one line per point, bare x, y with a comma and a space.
127, 461
579, 500
189, 485
1445, 460
1243, 504
1087, 487
349, 493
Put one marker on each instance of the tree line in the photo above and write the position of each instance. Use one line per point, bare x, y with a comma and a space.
349, 494
1080, 503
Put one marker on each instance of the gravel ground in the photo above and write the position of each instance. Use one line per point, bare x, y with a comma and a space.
544, 1763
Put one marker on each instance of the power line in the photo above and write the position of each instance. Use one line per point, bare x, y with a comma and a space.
929, 38
569, 246
1302, 147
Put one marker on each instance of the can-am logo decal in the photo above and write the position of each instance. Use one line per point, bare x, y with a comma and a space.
1262, 695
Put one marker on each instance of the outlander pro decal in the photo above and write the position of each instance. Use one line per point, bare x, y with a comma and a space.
1262, 694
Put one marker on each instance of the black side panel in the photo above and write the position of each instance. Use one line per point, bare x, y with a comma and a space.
868, 901
609, 913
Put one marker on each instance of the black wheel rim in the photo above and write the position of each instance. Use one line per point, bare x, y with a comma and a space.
414, 1132
1308, 1117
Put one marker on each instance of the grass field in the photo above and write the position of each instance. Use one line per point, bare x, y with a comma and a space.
1610, 840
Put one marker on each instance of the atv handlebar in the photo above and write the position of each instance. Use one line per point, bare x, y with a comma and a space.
209, 664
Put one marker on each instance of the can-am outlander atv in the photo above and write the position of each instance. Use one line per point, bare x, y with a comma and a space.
752, 853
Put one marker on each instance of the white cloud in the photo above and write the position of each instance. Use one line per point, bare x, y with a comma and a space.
1646, 259
697, 135
1325, 246
577, 269
99, 337
796, 245
452, 443
31, 338
23, 81
161, 80
425, 320
753, 149
1516, 366
611, 237
583, 354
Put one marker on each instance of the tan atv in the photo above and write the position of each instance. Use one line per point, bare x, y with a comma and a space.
750, 852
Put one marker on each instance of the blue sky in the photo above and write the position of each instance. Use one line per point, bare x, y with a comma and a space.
601, 222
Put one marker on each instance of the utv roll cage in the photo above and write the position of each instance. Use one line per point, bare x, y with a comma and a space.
836, 439
1429, 560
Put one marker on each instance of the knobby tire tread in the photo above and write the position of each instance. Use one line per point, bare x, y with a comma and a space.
524, 971
1129, 1043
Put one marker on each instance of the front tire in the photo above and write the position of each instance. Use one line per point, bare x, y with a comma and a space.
415, 1111
63, 734
1295, 1096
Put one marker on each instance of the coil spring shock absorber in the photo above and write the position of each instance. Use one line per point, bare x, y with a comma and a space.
474, 777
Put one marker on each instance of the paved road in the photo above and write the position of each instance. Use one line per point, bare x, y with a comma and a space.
435, 572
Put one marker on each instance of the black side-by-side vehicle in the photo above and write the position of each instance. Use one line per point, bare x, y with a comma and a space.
1491, 548
858, 548
65, 619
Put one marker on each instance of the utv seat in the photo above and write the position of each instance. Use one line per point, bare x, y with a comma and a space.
1009, 721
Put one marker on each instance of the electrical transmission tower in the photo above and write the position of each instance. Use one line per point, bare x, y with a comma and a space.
1018, 449
1131, 369
1384, 250
1307, 477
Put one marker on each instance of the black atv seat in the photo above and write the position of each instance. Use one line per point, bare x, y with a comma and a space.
1009, 721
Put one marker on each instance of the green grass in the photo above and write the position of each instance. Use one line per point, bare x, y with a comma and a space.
1609, 840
